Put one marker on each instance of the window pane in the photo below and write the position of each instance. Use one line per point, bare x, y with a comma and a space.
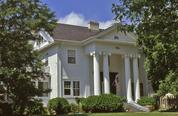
71, 56
67, 92
71, 53
76, 88
67, 88
76, 92
71, 60
40, 85
76, 84
43, 86
67, 84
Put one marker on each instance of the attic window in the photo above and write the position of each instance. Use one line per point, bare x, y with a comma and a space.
71, 56
116, 37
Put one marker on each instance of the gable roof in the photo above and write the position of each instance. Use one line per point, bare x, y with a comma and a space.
72, 32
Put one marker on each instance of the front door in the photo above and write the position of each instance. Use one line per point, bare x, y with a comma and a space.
112, 76
113, 85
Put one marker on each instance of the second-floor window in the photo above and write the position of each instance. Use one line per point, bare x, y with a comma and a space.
71, 54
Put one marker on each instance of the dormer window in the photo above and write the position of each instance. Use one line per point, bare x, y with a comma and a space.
71, 56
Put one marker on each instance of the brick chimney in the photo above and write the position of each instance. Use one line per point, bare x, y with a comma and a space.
93, 26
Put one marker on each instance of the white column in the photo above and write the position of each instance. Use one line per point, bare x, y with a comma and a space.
96, 74
128, 79
136, 79
106, 74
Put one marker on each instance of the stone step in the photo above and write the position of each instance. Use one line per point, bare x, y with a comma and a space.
134, 107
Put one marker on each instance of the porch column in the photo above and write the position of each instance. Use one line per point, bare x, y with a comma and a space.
96, 73
128, 78
136, 78
106, 73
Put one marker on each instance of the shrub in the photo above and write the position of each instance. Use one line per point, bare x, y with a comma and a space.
35, 107
6, 109
74, 108
147, 101
59, 105
103, 103
79, 100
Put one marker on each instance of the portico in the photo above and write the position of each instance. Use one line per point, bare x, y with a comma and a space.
129, 64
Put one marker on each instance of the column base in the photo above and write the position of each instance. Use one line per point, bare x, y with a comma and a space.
129, 100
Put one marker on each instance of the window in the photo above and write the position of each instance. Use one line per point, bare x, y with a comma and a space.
43, 86
71, 88
67, 88
71, 56
76, 88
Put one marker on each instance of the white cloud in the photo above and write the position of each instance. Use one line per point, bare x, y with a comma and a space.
79, 19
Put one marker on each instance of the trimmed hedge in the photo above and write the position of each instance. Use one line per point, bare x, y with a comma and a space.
59, 105
147, 101
103, 103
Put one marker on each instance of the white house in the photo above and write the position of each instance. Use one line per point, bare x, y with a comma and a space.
85, 61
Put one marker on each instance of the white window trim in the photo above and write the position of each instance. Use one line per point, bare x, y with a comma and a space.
71, 89
75, 56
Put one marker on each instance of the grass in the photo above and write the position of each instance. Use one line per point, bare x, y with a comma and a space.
131, 114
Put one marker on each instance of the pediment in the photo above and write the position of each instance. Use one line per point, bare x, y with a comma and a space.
46, 40
117, 36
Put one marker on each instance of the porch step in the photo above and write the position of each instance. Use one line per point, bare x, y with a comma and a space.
134, 107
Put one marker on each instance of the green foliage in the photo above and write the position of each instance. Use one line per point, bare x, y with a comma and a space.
103, 103
35, 107
155, 23
20, 21
169, 85
147, 101
79, 100
59, 105
74, 108
5, 109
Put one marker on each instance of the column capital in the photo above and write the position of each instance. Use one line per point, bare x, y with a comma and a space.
127, 55
136, 55
94, 53
131, 55
106, 54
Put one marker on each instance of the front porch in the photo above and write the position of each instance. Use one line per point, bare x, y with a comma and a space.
118, 74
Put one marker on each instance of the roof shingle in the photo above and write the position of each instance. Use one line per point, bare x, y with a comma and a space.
72, 32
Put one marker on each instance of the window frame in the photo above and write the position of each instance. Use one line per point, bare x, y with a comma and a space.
76, 88
67, 88
75, 56
36, 82
72, 88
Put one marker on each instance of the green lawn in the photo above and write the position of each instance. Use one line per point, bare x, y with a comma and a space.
136, 114
132, 114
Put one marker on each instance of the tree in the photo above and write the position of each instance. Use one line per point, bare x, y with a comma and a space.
156, 24
20, 21
169, 85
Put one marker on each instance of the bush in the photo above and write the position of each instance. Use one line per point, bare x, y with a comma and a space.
35, 107
6, 109
74, 108
59, 105
147, 101
79, 100
103, 103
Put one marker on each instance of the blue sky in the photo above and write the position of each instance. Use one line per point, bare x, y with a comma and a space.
79, 12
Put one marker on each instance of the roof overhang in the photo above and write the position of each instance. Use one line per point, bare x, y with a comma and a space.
91, 39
